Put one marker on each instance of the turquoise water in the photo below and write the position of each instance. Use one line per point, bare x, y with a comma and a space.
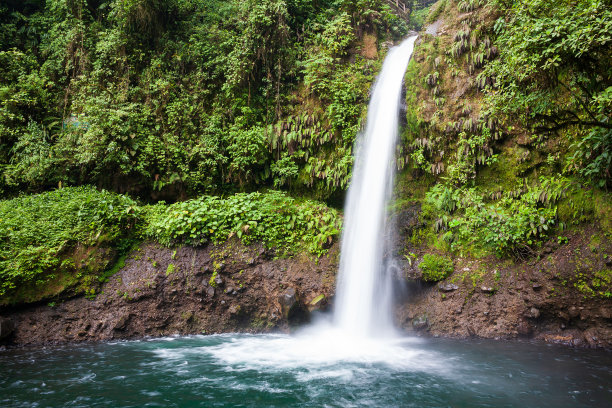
305, 371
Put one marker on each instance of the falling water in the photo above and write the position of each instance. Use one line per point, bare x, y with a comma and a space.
342, 364
363, 291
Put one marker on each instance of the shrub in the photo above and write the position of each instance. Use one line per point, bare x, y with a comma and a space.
40, 234
36, 231
553, 74
511, 225
273, 218
435, 267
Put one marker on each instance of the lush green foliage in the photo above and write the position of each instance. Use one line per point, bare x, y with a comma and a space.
173, 98
533, 79
592, 157
273, 218
170, 99
554, 73
510, 225
38, 231
435, 267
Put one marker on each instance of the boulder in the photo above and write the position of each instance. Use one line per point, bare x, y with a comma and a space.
605, 312
448, 287
235, 310
122, 322
533, 313
420, 322
573, 312
524, 328
288, 300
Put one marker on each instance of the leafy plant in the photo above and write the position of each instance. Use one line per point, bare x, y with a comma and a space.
435, 267
170, 269
553, 75
273, 218
508, 226
175, 98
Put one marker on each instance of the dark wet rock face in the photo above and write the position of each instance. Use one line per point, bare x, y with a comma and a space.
164, 291
494, 298
403, 223
233, 288
537, 298
6, 328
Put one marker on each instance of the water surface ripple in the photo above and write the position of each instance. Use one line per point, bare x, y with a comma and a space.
305, 370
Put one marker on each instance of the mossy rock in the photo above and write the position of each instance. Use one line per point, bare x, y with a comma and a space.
80, 273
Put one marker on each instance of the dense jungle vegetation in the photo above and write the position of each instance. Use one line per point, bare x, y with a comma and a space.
174, 98
108, 107
508, 130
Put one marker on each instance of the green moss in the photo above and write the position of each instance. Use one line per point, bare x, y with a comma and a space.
477, 277
577, 207
170, 269
602, 203
56, 238
120, 264
412, 189
596, 284
435, 267
212, 281
261, 323
501, 175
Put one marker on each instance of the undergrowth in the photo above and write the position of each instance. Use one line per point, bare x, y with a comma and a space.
435, 267
273, 218
38, 231
509, 224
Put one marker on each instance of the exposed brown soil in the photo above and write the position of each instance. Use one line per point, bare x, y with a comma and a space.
186, 290
542, 298
369, 47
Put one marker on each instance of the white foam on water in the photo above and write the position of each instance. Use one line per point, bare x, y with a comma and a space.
319, 348
317, 352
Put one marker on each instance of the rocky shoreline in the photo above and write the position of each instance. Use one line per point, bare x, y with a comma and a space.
548, 298
165, 291
236, 288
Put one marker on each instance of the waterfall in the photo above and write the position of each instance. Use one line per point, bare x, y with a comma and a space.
363, 293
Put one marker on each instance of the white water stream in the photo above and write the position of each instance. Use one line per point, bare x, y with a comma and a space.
363, 293
361, 332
